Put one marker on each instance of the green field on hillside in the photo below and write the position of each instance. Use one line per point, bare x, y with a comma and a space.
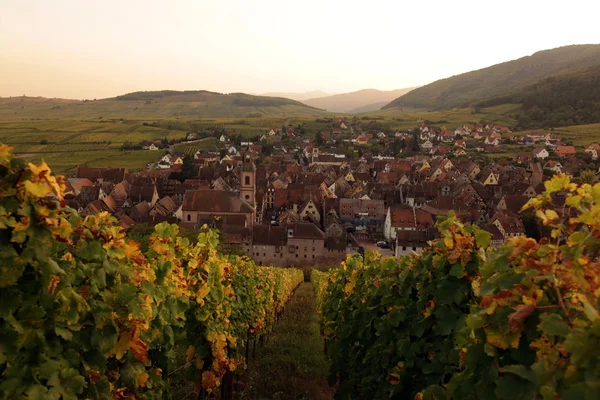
580, 135
221, 106
403, 118
64, 144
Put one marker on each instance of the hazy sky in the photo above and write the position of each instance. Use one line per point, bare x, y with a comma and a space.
95, 49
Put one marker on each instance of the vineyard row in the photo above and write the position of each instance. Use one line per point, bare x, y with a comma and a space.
466, 321
85, 313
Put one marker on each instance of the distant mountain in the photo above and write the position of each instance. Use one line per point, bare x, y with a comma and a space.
566, 99
157, 104
498, 80
363, 100
298, 96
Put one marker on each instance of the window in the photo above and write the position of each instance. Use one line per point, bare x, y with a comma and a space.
296, 255
305, 256
189, 217
264, 254
403, 248
247, 197
247, 180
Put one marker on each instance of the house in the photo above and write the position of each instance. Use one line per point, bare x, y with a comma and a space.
408, 242
447, 136
149, 146
460, 143
204, 204
333, 224
540, 153
100, 175
488, 177
310, 211
301, 243
426, 145
593, 149
362, 213
508, 225
492, 141
165, 207
512, 204
78, 183
565, 151
398, 219
222, 138
554, 166
363, 138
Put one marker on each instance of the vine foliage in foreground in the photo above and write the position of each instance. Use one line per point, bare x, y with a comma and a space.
85, 314
465, 321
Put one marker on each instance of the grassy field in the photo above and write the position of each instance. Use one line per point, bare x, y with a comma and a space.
403, 118
206, 144
66, 163
580, 135
65, 144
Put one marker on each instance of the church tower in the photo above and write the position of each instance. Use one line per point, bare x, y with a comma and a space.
248, 181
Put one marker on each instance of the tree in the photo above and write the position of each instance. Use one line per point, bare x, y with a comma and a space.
188, 169
267, 149
415, 140
319, 141
587, 176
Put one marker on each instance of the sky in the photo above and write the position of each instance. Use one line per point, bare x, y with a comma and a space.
97, 49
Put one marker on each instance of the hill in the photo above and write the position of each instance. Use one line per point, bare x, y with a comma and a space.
561, 100
501, 79
360, 101
298, 96
157, 104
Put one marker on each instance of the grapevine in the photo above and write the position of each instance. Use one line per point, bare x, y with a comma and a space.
466, 321
86, 314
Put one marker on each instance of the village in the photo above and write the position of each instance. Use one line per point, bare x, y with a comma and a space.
314, 197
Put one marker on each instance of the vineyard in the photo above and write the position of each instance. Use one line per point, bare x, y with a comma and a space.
86, 314
466, 321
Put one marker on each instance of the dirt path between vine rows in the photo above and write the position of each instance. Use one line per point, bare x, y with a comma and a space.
291, 365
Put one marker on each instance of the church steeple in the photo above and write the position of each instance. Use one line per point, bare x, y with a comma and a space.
248, 180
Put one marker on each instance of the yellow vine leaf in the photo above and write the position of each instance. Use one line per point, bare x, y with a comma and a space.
122, 345
141, 379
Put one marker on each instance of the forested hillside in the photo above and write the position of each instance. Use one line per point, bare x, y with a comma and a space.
567, 99
506, 78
